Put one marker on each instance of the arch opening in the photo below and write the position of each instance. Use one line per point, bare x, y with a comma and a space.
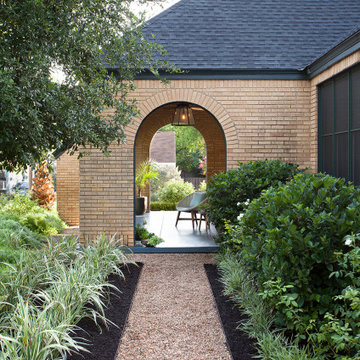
205, 123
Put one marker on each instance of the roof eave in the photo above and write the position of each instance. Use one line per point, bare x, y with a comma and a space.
337, 53
228, 74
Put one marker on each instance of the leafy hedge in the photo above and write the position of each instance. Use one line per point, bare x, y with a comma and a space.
175, 190
228, 192
294, 241
167, 206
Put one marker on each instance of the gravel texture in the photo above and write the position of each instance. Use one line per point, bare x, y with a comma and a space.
173, 315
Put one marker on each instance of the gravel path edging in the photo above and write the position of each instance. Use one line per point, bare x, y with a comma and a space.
173, 314
241, 346
103, 344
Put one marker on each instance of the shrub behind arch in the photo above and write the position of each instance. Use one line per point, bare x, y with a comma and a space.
228, 191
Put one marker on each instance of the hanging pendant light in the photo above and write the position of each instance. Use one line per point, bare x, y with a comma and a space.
183, 116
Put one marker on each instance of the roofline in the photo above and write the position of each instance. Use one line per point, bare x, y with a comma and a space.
343, 49
228, 74
164, 12
337, 53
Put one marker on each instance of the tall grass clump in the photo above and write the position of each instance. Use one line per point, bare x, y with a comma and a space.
50, 291
241, 288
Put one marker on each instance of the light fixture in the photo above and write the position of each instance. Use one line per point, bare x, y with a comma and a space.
183, 116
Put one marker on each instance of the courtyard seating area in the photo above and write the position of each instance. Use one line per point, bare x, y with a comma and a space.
162, 223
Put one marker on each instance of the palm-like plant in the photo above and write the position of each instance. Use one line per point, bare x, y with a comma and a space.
144, 173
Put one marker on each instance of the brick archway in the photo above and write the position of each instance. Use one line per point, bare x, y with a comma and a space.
205, 123
194, 97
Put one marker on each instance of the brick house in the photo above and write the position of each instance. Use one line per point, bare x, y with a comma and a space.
266, 79
163, 148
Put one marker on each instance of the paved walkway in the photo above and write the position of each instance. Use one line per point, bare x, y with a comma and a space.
162, 223
173, 315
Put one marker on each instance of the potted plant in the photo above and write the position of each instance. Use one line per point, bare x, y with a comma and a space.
144, 173
146, 238
154, 241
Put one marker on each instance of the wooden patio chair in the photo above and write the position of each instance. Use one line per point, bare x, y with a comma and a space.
189, 204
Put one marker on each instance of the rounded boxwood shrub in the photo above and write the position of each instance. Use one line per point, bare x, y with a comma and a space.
229, 192
175, 190
290, 239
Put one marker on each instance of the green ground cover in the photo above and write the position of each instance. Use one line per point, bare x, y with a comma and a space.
24, 226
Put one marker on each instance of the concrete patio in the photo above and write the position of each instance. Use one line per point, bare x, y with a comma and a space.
162, 223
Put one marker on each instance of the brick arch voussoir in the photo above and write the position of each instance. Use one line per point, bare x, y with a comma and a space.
192, 96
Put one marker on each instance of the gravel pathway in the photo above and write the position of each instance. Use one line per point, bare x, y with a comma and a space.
173, 315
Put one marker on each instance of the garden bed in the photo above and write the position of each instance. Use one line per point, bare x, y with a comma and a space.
239, 343
104, 342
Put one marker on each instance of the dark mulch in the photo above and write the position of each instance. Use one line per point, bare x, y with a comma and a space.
103, 345
240, 345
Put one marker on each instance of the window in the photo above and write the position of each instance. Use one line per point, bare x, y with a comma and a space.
339, 125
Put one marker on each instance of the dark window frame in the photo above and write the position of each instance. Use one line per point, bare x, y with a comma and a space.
333, 133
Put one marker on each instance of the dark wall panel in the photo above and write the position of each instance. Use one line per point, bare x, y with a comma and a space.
342, 103
355, 150
327, 155
327, 108
339, 125
355, 98
342, 155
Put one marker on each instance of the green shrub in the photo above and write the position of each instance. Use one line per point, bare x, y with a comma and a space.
45, 223
142, 233
9, 255
21, 208
155, 240
175, 190
229, 192
166, 173
290, 239
241, 288
202, 186
18, 205
157, 206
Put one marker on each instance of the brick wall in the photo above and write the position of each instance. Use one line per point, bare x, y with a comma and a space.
67, 189
259, 119
163, 147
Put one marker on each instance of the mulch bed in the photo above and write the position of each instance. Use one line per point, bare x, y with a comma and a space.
240, 345
103, 345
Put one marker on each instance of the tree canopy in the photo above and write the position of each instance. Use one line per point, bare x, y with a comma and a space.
39, 115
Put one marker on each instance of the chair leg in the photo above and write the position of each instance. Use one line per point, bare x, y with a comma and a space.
177, 219
196, 218
200, 222
192, 219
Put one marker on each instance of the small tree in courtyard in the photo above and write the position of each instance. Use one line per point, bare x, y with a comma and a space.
43, 187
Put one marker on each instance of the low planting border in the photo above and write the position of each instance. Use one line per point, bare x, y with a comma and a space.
241, 346
104, 343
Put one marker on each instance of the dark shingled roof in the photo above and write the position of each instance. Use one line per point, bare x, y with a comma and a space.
252, 34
